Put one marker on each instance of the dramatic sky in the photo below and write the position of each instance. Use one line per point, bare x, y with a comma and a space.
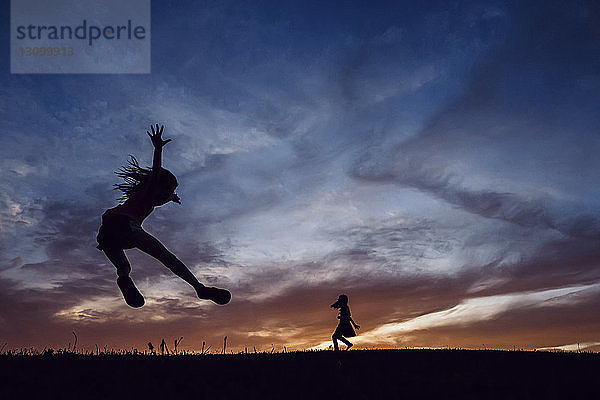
435, 161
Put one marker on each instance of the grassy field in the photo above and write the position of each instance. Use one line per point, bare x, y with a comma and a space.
357, 374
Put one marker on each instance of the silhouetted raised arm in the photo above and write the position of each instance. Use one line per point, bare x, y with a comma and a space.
158, 143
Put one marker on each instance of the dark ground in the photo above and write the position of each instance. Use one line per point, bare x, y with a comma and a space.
372, 374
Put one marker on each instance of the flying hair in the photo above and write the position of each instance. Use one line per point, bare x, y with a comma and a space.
134, 176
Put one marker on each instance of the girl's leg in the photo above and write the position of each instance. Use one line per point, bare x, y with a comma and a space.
335, 343
132, 296
346, 342
152, 246
119, 260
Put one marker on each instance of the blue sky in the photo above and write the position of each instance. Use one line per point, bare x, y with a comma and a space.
420, 157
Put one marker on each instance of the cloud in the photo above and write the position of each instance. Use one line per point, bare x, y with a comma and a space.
498, 151
416, 158
421, 173
473, 310
587, 346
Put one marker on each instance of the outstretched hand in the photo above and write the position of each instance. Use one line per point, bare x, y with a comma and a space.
156, 138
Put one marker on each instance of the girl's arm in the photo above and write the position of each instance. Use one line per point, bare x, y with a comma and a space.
147, 192
354, 323
158, 143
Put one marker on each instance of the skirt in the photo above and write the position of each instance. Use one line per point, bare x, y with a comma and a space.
345, 329
116, 231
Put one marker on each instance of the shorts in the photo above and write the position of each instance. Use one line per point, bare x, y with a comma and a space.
117, 231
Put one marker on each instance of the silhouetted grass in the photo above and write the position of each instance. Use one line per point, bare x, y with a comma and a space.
357, 374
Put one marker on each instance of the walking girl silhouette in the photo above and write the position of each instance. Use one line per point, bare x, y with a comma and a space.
121, 227
344, 327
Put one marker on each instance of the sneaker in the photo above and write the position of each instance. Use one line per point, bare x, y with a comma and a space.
219, 296
132, 296
350, 345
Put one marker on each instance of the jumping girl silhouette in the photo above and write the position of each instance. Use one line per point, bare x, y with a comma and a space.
344, 328
121, 227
